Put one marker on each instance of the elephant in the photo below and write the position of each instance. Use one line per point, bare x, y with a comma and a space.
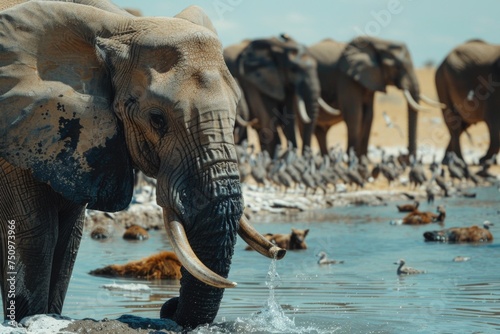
350, 74
243, 121
278, 78
88, 93
467, 83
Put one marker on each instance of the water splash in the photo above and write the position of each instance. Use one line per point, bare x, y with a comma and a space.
269, 319
271, 316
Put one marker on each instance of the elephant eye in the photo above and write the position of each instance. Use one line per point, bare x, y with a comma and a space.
157, 121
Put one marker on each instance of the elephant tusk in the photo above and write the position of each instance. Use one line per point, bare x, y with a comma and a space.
326, 107
431, 102
411, 101
242, 122
186, 255
302, 110
255, 240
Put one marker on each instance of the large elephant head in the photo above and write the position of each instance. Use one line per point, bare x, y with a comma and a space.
87, 95
284, 73
376, 63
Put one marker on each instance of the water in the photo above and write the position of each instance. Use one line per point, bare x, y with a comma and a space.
296, 295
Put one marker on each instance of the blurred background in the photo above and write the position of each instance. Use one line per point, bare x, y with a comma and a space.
429, 28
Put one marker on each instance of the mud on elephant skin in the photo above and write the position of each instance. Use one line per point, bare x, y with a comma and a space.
350, 74
89, 92
278, 78
468, 84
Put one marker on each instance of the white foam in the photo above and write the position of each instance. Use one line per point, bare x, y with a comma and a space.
39, 323
127, 287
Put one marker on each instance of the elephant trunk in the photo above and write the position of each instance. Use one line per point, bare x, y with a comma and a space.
198, 302
202, 202
309, 91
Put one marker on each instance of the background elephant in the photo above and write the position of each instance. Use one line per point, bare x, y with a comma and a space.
467, 82
86, 95
277, 77
231, 53
350, 74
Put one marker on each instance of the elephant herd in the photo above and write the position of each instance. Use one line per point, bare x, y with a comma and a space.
287, 85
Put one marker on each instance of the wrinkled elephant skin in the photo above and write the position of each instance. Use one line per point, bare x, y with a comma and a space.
88, 93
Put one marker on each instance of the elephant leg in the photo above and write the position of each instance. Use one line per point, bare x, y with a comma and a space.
366, 127
321, 134
353, 120
71, 219
26, 206
494, 128
456, 126
268, 139
30, 210
288, 119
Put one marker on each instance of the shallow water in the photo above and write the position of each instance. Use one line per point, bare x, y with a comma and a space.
362, 295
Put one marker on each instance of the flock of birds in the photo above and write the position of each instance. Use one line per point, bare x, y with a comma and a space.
287, 171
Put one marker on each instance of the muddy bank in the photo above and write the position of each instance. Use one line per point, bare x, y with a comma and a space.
257, 202
124, 325
62, 325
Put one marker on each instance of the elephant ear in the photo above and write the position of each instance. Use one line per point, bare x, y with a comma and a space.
361, 61
56, 119
197, 16
258, 65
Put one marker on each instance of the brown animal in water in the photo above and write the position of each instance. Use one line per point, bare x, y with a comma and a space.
292, 241
462, 234
158, 266
136, 232
408, 207
100, 233
420, 218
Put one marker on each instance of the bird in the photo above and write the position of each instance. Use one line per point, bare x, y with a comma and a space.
431, 193
258, 171
390, 124
353, 173
433, 165
462, 234
402, 270
484, 171
417, 174
408, 207
439, 176
323, 259
456, 167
